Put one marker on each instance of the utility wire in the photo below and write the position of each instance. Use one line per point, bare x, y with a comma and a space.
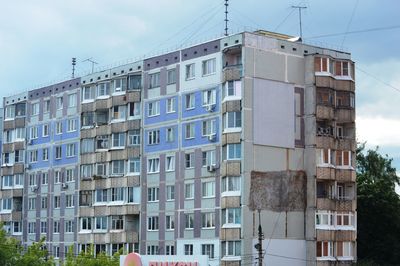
348, 24
354, 32
378, 79
284, 20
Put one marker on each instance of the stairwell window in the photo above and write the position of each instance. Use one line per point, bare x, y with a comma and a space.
209, 67
190, 71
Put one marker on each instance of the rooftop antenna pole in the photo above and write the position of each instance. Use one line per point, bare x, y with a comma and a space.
226, 17
73, 66
300, 8
91, 61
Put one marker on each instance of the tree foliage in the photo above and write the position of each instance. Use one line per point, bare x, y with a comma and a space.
378, 208
88, 258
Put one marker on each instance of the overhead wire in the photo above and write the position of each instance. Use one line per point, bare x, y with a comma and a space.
349, 23
378, 79
354, 32
284, 20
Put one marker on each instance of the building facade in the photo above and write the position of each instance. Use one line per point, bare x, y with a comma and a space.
186, 153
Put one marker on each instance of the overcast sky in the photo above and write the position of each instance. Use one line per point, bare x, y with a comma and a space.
39, 38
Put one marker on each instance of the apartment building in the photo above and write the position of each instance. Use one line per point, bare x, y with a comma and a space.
185, 153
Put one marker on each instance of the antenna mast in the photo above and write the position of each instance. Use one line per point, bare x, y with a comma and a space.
91, 61
226, 17
300, 8
73, 66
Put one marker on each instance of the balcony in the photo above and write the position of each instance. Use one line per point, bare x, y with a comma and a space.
230, 168
345, 115
231, 106
346, 144
336, 205
109, 237
345, 175
330, 82
326, 142
230, 202
230, 234
133, 96
232, 72
327, 173
325, 112
229, 138
336, 235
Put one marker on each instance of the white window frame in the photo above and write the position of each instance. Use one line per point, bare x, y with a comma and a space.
71, 150
209, 67
153, 108
153, 194
190, 129
153, 137
169, 163
152, 223
170, 105
209, 97
190, 101
190, 71
189, 191
208, 189
153, 165
208, 220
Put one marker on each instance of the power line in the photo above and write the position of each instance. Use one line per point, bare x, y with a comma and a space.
348, 24
378, 79
354, 32
284, 20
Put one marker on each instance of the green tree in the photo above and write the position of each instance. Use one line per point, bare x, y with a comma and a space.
36, 255
378, 209
88, 258
10, 249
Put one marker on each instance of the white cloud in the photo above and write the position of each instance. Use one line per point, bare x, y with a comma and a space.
378, 131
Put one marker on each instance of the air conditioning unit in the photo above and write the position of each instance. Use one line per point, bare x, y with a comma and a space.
34, 188
210, 107
211, 168
212, 137
64, 185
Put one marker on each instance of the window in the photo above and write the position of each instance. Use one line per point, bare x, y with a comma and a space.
231, 216
326, 157
153, 165
69, 201
101, 223
152, 223
117, 222
71, 125
34, 132
321, 64
171, 108
17, 228
9, 112
57, 176
69, 175
207, 249
59, 127
230, 183
134, 109
134, 166
134, 137
35, 108
43, 227
209, 97
189, 220
20, 109
102, 142
119, 112
169, 222
154, 80
87, 119
324, 249
152, 194
233, 151
19, 180
170, 163
19, 156
152, 250
133, 194
8, 136
71, 151
170, 134
208, 220
171, 192
323, 219
45, 178
118, 140
58, 152
189, 130
46, 106
69, 226
171, 76
86, 170
32, 180
189, 191
153, 108
209, 127
87, 145
103, 89
45, 130
232, 120
189, 101
344, 249
341, 68
134, 82
189, 160
31, 203
31, 227
88, 93
188, 249
118, 167
59, 102
153, 137
169, 250
7, 181
345, 219
208, 189
57, 202
20, 133
101, 196
209, 67
72, 100
117, 194
43, 202
190, 71
6, 158
101, 169
85, 198
231, 248
86, 223
343, 158
33, 156
232, 89
7, 204
119, 84
56, 227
